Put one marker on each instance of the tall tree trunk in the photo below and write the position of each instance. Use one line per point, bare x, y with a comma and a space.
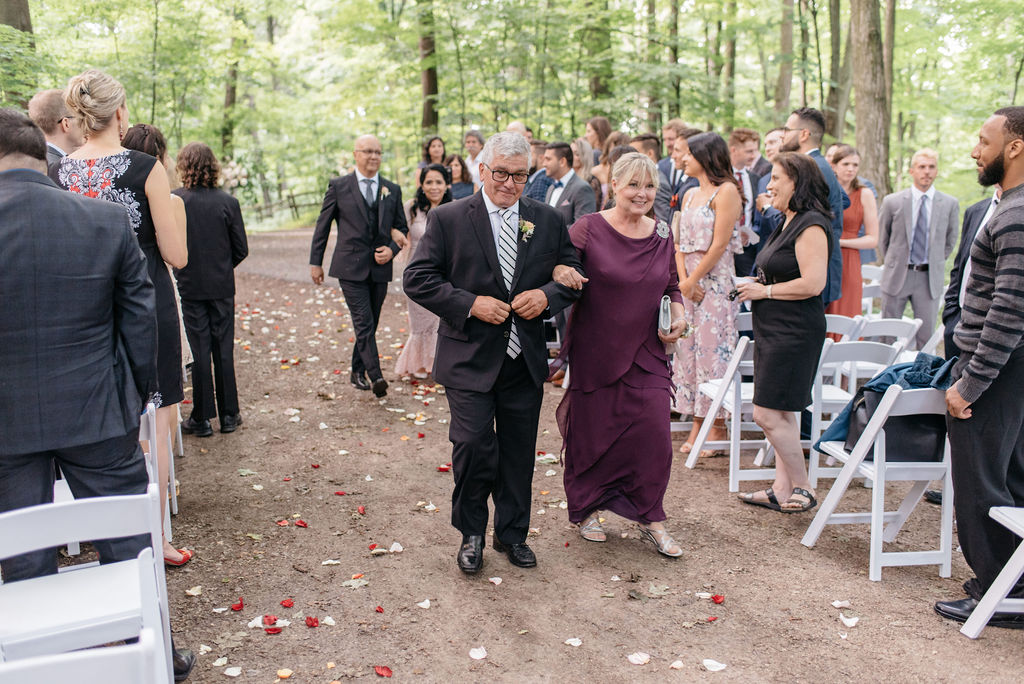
817, 52
888, 47
805, 40
461, 72
428, 69
833, 125
729, 73
870, 108
1016, 81
784, 84
599, 45
675, 89
153, 63
227, 129
654, 96
15, 13
845, 85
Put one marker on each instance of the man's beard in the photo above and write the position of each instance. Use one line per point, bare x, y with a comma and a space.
993, 172
786, 146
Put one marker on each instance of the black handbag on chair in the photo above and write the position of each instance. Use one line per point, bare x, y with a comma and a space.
907, 438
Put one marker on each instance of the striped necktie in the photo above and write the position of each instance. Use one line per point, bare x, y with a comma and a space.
507, 259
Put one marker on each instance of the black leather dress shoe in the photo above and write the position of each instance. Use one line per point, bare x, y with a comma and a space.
199, 428
520, 555
380, 387
962, 609
471, 554
933, 496
358, 381
230, 423
184, 660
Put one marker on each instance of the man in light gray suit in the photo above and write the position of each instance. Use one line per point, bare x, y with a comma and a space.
917, 233
569, 194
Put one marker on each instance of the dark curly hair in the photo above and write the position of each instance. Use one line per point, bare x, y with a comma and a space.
146, 138
197, 166
420, 201
810, 191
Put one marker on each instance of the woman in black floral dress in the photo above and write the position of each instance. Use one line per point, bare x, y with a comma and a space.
102, 168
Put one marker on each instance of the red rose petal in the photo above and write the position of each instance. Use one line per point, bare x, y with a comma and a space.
337, 372
287, 479
718, 598
301, 523
269, 619
361, 510
272, 630
288, 603
383, 670
282, 523
238, 606
420, 435
312, 622
712, 618
566, 544
373, 546
443, 468
379, 609
339, 493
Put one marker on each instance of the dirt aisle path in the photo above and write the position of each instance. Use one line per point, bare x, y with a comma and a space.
264, 510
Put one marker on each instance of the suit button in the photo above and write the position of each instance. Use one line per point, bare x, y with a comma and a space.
506, 334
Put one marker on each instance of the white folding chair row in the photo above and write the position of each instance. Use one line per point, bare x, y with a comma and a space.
127, 664
831, 399
877, 329
872, 289
736, 398
93, 606
995, 599
886, 524
148, 434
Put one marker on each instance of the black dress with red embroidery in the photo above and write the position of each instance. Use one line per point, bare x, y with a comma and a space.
121, 178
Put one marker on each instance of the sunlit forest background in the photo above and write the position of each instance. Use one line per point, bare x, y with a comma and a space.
283, 87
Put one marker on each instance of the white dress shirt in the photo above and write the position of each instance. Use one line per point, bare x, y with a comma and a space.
492, 214
556, 193
915, 207
374, 183
473, 165
967, 262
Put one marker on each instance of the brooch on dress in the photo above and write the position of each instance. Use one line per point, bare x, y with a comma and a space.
662, 229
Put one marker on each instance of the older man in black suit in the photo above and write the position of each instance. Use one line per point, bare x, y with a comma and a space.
485, 268
78, 330
371, 230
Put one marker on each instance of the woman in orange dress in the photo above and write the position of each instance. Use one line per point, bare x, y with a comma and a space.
863, 210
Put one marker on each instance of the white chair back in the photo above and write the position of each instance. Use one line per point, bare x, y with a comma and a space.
845, 326
126, 664
903, 329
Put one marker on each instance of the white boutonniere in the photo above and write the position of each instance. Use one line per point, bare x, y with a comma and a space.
384, 192
526, 228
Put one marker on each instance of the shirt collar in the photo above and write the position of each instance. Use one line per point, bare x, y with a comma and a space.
567, 177
62, 152
360, 177
816, 149
494, 208
916, 194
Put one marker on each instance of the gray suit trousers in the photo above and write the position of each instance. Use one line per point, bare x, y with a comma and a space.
917, 291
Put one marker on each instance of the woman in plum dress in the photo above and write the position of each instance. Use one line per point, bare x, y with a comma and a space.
615, 414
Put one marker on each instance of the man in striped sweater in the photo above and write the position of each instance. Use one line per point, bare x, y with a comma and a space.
986, 415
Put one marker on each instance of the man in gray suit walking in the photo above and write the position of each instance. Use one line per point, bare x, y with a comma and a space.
569, 194
917, 233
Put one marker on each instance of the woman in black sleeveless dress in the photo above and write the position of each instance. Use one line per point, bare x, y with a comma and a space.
789, 322
102, 168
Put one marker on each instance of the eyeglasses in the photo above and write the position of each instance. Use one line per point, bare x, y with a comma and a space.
372, 153
500, 176
791, 130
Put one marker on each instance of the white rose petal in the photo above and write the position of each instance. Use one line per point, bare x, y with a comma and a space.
220, 662
425, 603
323, 426
703, 595
204, 649
478, 653
840, 604
233, 671
712, 665
638, 658
396, 548
328, 620
550, 473
220, 610
849, 621
255, 622
676, 665
258, 488
369, 479
331, 561
194, 591
495, 580
843, 635
575, 641
616, 578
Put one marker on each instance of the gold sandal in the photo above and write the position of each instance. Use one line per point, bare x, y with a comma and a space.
591, 530
662, 540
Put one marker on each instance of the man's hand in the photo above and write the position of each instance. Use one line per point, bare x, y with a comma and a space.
955, 404
568, 276
530, 304
399, 238
490, 310
763, 200
317, 273
382, 255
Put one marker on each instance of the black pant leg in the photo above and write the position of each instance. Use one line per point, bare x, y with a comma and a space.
474, 457
364, 301
517, 411
949, 348
987, 452
27, 480
196, 317
222, 345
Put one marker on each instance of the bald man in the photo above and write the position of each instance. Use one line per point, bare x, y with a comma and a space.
371, 230
64, 132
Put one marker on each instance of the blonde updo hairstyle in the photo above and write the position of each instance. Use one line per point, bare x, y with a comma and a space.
634, 166
95, 97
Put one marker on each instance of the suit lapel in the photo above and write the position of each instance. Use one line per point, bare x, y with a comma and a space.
353, 184
908, 208
481, 224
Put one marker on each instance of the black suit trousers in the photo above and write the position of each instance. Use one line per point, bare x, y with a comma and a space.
949, 348
493, 436
365, 299
210, 328
112, 467
987, 455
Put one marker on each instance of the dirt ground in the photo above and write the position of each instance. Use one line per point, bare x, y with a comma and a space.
356, 472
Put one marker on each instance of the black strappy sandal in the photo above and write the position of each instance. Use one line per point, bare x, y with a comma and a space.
772, 503
804, 506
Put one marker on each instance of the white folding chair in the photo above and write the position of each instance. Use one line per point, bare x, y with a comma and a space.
127, 664
908, 355
93, 606
844, 326
736, 397
886, 524
872, 290
879, 329
829, 398
147, 433
995, 599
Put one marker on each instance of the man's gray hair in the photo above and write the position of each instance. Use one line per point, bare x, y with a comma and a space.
474, 133
505, 144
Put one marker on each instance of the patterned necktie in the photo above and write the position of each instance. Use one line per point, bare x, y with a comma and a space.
919, 246
368, 193
507, 259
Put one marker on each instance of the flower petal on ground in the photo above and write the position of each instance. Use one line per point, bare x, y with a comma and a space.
574, 642
288, 603
382, 670
840, 604
849, 621
238, 606
638, 658
478, 653
312, 622
425, 603
194, 591
712, 665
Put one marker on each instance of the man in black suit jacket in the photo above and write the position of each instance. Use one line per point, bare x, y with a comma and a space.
975, 217
63, 130
485, 266
371, 230
78, 330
